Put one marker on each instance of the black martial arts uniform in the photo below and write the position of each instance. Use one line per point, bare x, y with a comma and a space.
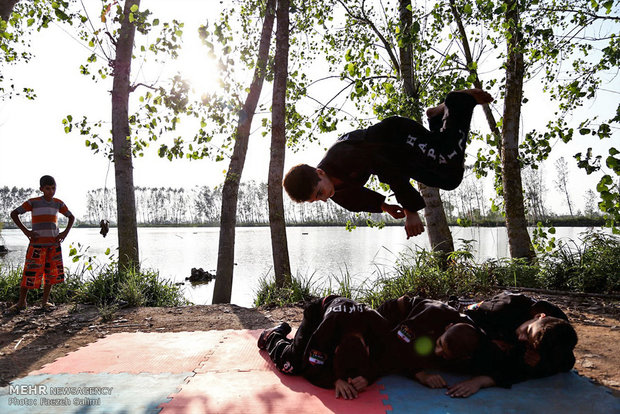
418, 323
499, 318
398, 149
311, 352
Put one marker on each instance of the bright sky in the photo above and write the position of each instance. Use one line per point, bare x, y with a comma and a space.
33, 143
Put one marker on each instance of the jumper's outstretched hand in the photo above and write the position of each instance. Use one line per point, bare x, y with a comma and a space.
345, 390
413, 224
393, 210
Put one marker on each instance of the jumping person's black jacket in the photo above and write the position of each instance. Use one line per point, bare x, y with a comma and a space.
353, 158
333, 317
396, 150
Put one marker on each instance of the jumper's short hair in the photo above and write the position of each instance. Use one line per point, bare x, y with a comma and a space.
462, 340
46, 180
300, 181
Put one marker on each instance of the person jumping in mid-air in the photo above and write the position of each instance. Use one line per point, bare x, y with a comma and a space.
396, 150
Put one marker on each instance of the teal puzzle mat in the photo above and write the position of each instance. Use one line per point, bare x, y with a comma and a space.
564, 393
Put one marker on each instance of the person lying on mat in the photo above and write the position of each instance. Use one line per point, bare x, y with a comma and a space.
535, 338
337, 345
433, 335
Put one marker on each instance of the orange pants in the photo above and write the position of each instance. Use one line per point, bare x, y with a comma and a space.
43, 262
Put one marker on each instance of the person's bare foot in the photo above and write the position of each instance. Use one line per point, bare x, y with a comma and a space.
435, 111
481, 97
16, 308
48, 306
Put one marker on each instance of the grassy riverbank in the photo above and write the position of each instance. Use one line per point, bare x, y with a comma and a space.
593, 267
103, 286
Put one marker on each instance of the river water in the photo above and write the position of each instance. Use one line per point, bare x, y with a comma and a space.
319, 253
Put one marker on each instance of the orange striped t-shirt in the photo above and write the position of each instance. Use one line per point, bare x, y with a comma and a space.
44, 218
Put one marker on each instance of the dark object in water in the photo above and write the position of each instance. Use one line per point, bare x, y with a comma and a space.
105, 227
3, 250
200, 276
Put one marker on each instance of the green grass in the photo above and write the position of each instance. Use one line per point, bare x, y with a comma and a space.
103, 286
302, 289
592, 267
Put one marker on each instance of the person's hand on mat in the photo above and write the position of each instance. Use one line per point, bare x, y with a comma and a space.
359, 383
431, 380
393, 210
413, 224
469, 387
345, 390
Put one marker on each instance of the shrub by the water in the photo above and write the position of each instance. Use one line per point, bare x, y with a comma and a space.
592, 267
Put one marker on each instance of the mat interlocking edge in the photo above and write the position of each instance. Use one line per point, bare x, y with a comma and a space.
223, 372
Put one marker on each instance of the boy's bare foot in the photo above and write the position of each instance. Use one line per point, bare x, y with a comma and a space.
481, 97
48, 306
16, 308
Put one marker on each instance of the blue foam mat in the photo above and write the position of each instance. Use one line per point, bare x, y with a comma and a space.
562, 393
130, 393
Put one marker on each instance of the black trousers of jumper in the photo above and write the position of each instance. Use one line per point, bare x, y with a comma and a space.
433, 157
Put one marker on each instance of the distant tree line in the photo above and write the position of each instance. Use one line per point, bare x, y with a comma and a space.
202, 205
470, 203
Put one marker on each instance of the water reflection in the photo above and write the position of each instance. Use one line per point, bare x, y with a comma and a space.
317, 252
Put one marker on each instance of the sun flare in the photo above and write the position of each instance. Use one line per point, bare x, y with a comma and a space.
199, 69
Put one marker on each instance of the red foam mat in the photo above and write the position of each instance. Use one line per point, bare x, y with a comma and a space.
170, 352
265, 392
237, 378
237, 351
232, 375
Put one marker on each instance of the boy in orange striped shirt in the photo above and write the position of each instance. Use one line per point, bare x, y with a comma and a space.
44, 256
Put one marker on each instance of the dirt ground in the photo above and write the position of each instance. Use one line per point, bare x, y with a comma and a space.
34, 338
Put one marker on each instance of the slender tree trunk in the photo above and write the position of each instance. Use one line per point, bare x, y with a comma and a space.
222, 290
516, 223
279, 245
439, 234
121, 141
470, 61
6, 8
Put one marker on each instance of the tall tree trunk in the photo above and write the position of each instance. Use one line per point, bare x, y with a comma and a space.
222, 290
470, 61
516, 223
279, 246
6, 8
439, 234
121, 141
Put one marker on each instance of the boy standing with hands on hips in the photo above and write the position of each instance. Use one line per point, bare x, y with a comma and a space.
44, 256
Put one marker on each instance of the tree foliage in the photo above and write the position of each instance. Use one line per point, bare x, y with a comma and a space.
22, 20
162, 104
